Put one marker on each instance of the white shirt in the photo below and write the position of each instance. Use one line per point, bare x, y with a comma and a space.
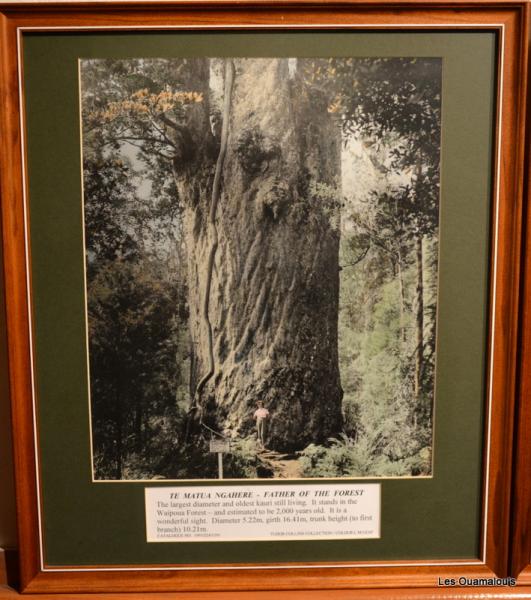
261, 413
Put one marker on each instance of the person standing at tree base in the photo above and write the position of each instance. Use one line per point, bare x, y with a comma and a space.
261, 414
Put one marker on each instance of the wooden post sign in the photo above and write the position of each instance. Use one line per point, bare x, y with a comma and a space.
219, 445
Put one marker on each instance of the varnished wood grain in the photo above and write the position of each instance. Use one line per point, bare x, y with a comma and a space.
521, 524
480, 593
13, 225
505, 290
505, 284
524, 576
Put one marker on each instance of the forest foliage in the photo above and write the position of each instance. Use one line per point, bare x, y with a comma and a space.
388, 111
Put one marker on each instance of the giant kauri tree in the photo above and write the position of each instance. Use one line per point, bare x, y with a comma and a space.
256, 169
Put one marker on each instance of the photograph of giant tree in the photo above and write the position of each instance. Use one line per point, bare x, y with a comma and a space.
261, 243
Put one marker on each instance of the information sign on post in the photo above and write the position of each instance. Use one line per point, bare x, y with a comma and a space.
220, 446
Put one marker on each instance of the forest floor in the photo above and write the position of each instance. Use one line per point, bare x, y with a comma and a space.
284, 466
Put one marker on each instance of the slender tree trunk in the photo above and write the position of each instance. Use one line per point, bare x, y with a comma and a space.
419, 316
400, 276
119, 435
274, 285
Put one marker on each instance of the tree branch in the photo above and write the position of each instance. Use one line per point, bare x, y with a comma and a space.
163, 134
151, 151
358, 260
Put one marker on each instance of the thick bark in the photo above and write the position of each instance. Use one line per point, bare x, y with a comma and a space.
193, 168
274, 293
213, 232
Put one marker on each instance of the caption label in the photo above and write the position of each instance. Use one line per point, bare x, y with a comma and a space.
262, 512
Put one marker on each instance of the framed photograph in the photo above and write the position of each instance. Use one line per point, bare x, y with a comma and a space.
262, 269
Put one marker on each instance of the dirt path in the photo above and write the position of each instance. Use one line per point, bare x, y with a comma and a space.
289, 469
284, 466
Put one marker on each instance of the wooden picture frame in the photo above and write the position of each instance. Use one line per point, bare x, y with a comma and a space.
504, 539
521, 546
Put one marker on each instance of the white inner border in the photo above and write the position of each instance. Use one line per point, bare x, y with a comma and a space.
333, 26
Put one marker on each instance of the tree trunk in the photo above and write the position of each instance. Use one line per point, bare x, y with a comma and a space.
119, 436
419, 317
400, 275
274, 286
